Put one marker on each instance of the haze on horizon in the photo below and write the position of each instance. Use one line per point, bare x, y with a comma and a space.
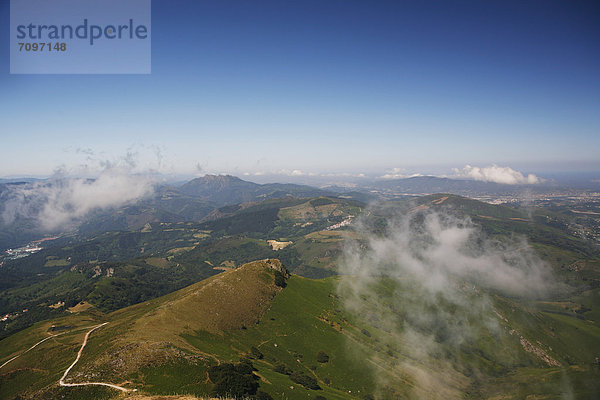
332, 88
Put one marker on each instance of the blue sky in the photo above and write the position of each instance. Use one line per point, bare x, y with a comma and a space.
325, 87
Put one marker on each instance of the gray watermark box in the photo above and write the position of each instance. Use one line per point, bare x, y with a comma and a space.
80, 37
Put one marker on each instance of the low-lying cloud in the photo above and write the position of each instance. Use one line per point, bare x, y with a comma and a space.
442, 269
61, 201
496, 174
398, 173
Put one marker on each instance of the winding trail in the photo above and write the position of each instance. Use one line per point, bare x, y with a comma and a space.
32, 347
61, 382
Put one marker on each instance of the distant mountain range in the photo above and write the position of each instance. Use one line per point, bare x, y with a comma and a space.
226, 189
202, 198
464, 187
432, 184
190, 202
19, 180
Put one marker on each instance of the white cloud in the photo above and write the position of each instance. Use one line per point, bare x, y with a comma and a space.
397, 173
287, 172
494, 173
437, 269
62, 201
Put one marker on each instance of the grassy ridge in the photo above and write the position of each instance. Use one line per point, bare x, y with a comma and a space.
165, 348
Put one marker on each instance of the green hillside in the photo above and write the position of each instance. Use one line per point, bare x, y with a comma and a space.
303, 341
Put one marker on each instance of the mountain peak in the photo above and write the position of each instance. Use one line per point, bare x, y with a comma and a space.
217, 187
230, 300
221, 177
210, 179
228, 189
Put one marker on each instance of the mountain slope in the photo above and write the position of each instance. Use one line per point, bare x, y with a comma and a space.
230, 300
385, 338
169, 345
227, 189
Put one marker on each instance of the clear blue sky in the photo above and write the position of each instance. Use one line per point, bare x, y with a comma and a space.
326, 86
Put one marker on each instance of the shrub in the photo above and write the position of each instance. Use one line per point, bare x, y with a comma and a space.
256, 353
307, 381
245, 367
233, 380
260, 395
282, 369
365, 332
322, 357
280, 279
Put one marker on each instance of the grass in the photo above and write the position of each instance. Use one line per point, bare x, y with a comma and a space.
57, 263
554, 383
80, 307
42, 366
176, 377
158, 262
292, 333
165, 346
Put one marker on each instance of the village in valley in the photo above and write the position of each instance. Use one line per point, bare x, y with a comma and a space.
24, 251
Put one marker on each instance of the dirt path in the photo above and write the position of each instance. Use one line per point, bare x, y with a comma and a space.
31, 348
61, 382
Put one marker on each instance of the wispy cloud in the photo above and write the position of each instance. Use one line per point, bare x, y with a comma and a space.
63, 200
440, 267
494, 173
